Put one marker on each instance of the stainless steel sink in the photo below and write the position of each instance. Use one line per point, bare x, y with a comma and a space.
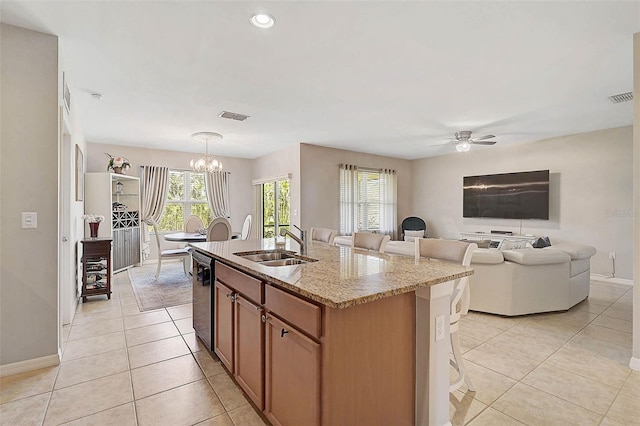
275, 258
284, 262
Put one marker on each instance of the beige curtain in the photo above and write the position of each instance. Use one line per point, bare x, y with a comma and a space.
217, 184
155, 183
388, 202
348, 199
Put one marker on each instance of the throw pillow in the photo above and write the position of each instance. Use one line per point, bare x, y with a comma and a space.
419, 233
512, 244
542, 242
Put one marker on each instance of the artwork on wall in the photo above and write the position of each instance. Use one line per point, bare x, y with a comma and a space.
79, 174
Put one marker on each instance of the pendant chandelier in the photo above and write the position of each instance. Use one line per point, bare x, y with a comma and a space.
207, 163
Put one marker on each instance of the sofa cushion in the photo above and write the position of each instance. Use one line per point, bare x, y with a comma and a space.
487, 256
531, 256
576, 251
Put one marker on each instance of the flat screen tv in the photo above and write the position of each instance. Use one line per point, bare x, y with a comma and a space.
523, 195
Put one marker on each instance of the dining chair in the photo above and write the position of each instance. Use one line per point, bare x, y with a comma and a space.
458, 252
193, 224
369, 241
219, 229
183, 253
323, 234
246, 228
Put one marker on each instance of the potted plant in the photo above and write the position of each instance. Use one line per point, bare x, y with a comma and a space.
94, 222
117, 164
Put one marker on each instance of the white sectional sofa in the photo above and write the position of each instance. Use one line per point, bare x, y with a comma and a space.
525, 281
520, 281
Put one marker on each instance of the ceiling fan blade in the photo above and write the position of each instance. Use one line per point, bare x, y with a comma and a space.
440, 144
484, 142
481, 138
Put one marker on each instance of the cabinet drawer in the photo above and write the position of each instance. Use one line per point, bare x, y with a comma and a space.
240, 282
97, 247
302, 314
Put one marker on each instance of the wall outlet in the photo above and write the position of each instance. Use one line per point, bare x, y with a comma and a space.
612, 255
29, 220
439, 327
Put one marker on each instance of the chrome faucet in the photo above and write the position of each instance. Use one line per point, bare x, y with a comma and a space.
302, 241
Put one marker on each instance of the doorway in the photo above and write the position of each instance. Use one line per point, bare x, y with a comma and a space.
276, 212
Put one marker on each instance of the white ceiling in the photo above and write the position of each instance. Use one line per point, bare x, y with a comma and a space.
391, 78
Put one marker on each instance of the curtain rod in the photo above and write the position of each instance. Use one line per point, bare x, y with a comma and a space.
176, 169
367, 169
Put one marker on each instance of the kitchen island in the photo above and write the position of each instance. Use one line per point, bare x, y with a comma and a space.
348, 337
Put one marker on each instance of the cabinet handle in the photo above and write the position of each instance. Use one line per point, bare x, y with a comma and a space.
264, 318
283, 332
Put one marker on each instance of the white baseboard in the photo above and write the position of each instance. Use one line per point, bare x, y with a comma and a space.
30, 364
606, 279
634, 363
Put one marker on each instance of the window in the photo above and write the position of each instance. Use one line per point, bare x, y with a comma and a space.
275, 207
186, 196
367, 200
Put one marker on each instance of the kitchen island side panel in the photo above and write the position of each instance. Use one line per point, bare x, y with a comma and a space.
368, 363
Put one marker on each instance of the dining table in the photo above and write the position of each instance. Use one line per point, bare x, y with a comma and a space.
186, 237
192, 237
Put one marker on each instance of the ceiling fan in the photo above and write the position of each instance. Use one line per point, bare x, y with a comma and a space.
463, 140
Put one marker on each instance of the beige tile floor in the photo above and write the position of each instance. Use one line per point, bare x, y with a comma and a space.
121, 366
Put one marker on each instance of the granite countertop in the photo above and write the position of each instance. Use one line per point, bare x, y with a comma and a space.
341, 277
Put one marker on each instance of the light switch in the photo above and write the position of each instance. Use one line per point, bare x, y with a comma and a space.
29, 220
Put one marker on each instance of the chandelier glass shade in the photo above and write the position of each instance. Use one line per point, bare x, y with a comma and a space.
208, 162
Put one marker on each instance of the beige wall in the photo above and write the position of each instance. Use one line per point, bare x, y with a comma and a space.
320, 182
280, 163
29, 147
590, 191
241, 196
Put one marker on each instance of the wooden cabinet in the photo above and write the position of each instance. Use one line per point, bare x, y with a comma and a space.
223, 324
117, 198
308, 364
239, 330
96, 267
292, 379
249, 349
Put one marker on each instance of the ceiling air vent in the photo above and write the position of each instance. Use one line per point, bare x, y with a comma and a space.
621, 97
233, 116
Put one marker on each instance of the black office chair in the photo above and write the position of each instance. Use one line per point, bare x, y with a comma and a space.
413, 223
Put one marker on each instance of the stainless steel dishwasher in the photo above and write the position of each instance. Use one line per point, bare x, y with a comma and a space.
202, 297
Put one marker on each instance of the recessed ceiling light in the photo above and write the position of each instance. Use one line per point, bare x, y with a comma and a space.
262, 20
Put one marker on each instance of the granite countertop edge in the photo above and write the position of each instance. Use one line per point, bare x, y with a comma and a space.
259, 271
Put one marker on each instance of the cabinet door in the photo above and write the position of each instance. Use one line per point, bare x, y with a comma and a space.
119, 244
292, 382
223, 324
249, 349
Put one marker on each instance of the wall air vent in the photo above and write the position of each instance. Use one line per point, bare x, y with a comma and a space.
233, 116
621, 97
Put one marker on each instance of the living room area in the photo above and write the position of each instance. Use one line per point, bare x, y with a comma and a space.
316, 99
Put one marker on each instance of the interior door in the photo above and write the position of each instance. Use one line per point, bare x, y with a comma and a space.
67, 283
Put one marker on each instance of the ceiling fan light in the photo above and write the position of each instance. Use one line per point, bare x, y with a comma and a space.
463, 146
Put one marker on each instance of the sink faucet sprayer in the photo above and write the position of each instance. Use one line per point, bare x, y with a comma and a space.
302, 241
